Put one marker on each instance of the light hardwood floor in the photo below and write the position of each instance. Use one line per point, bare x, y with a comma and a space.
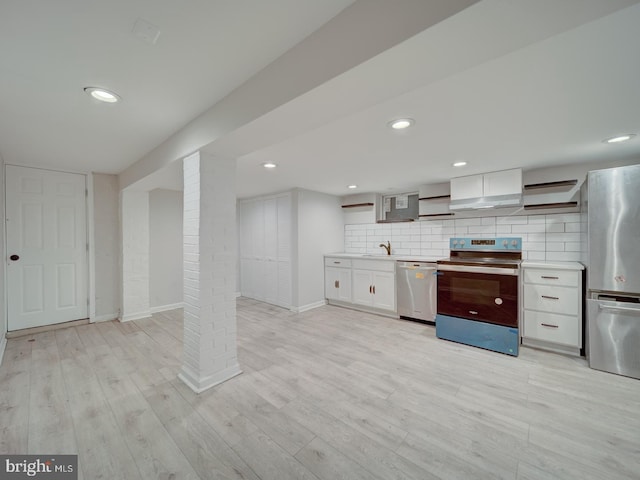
326, 394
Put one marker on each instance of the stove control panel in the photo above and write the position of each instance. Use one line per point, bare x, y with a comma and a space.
500, 244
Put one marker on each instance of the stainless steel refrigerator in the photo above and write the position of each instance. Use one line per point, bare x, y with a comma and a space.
613, 270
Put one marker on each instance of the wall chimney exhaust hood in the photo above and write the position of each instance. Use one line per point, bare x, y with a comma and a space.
513, 200
488, 190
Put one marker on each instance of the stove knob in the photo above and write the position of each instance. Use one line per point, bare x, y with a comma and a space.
514, 243
505, 243
462, 243
455, 243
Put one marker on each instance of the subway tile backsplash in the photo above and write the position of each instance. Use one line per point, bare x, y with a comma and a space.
544, 237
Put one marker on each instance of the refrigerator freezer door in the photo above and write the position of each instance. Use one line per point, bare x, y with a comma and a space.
613, 337
614, 229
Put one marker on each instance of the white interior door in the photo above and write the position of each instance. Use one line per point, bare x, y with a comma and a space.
46, 247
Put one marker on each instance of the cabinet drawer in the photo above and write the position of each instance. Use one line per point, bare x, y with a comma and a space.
568, 278
562, 329
337, 262
375, 265
563, 300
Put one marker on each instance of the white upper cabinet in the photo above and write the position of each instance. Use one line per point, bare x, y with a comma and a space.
489, 190
505, 182
467, 187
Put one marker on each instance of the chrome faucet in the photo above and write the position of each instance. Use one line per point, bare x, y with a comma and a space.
387, 247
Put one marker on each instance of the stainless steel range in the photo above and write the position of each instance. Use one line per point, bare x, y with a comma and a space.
478, 293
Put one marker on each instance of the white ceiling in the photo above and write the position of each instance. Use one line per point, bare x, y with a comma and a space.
518, 83
51, 50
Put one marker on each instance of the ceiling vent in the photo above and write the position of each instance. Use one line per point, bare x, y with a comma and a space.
146, 31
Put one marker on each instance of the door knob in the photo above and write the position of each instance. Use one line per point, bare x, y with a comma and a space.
14, 257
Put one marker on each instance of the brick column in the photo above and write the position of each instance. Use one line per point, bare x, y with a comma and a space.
209, 356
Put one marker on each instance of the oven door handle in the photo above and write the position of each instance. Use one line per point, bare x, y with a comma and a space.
478, 269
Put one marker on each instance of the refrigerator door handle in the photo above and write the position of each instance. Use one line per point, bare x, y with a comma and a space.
621, 309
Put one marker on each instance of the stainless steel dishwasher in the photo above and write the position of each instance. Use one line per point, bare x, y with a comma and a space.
417, 294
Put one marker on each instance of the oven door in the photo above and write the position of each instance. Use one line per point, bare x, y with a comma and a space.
485, 294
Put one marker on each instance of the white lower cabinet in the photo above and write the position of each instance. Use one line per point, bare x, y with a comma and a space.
370, 284
552, 308
337, 283
374, 289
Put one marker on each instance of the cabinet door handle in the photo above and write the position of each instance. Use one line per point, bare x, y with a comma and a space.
473, 312
370, 288
550, 298
550, 278
549, 325
374, 289
336, 284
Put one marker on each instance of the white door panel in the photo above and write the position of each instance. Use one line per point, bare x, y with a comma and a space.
46, 228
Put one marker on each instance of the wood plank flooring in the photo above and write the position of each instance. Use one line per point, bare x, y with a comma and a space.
327, 394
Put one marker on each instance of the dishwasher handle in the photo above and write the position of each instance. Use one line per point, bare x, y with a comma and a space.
416, 266
604, 306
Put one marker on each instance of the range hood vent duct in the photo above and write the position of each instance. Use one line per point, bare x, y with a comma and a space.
498, 201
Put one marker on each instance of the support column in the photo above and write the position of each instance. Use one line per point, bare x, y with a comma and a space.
135, 255
209, 224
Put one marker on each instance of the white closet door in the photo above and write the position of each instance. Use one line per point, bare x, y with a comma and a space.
46, 246
270, 281
271, 229
284, 251
265, 249
257, 225
284, 227
245, 232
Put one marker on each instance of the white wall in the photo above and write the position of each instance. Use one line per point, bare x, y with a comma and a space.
3, 316
106, 236
320, 230
165, 249
545, 236
134, 213
367, 214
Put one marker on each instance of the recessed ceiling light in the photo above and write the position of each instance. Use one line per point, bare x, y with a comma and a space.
459, 164
269, 165
352, 186
620, 138
102, 94
401, 123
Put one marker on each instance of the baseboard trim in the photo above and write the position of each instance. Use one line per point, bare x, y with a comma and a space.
164, 308
362, 308
552, 347
46, 328
200, 385
3, 345
104, 318
135, 316
309, 306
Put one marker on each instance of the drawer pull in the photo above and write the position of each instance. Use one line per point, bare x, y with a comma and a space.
337, 263
546, 277
550, 298
473, 312
549, 325
336, 284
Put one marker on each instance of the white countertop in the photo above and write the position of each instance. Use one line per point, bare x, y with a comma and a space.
554, 265
382, 256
